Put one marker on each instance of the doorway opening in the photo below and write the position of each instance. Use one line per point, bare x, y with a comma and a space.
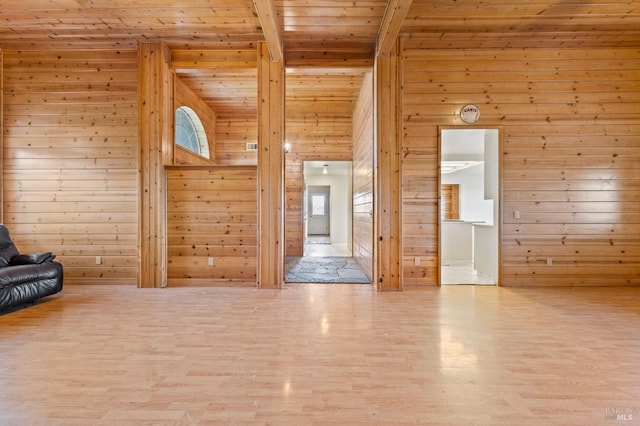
327, 208
469, 206
327, 221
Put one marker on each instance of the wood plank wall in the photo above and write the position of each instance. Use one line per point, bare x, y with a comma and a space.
363, 170
232, 135
294, 186
212, 212
70, 159
570, 124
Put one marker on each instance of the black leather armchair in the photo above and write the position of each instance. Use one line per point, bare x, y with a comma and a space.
25, 278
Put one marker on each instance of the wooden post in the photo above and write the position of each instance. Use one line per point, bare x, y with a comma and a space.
388, 182
155, 118
271, 101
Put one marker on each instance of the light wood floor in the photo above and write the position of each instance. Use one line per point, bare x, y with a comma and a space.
323, 354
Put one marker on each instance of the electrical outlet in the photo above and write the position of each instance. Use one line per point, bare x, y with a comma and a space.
549, 262
98, 260
210, 261
416, 261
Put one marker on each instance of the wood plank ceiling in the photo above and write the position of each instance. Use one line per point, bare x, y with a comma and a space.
325, 43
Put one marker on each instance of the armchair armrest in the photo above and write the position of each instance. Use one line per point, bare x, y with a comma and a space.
32, 258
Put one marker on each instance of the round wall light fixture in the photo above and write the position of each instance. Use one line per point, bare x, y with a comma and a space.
470, 113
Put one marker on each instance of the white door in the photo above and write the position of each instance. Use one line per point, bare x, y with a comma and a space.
318, 210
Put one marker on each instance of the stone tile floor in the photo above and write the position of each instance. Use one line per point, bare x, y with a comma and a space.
324, 263
324, 270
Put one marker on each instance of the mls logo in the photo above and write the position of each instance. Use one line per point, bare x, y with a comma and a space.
617, 413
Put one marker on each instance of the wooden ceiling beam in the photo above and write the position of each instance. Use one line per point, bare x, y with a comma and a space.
268, 20
391, 24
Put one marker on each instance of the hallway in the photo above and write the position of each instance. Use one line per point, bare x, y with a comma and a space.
320, 246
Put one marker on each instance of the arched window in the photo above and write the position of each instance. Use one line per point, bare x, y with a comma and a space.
190, 132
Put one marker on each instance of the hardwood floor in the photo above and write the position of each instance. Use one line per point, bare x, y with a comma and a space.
318, 354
